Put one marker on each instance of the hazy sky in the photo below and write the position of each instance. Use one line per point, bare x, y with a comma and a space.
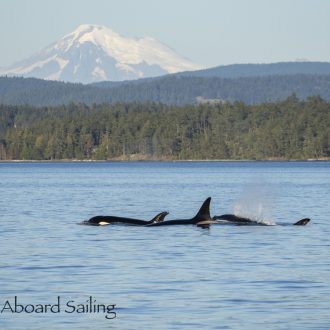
209, 32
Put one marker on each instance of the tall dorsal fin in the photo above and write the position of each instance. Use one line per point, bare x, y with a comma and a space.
159, 217
204, 211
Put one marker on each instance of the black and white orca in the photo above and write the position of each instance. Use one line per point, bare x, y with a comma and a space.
237, 220
102, 220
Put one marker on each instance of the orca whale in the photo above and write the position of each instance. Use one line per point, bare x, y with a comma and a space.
202, 215
201, 219
101, 220
234, 219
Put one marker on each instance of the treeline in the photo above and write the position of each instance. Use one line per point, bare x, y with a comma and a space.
291, 129
171, 90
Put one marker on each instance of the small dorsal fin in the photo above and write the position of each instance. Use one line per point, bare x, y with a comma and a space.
159, 217
302, 222
204, 211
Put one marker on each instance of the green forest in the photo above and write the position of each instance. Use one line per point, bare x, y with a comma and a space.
290, 129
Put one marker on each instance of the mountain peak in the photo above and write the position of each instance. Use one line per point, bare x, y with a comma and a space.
86, 33
87, 28
94, 53
91, 29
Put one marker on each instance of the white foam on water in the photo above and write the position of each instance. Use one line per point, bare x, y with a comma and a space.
255, 203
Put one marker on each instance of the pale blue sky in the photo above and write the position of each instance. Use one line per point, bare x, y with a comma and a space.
209, 32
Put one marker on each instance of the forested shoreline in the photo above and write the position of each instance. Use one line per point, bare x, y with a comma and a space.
287, 130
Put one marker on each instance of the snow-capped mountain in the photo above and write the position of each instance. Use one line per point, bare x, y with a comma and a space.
94, 53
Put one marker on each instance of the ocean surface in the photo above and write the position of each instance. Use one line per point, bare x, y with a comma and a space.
175, 277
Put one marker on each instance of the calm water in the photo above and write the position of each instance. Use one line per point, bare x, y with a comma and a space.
176, 277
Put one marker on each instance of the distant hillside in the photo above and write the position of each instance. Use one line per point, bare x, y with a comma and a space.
240, 70
172, 89
261, 70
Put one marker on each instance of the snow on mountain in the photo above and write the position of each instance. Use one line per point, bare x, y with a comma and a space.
94, 53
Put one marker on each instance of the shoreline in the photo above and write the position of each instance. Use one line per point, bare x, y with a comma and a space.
163, 161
